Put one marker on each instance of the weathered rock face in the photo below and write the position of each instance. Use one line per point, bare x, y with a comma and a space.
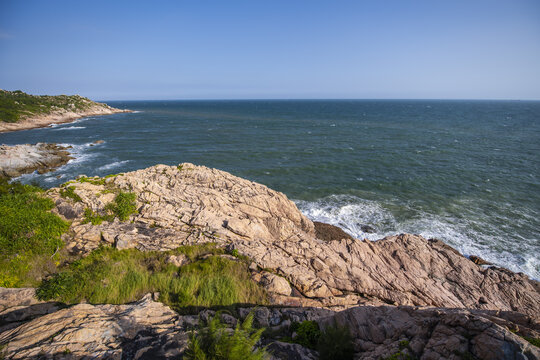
150, 330
102, 331
19, 305
23, 159
142, 330
193, 204
431, 334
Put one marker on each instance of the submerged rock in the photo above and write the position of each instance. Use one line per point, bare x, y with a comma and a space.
368, 229
329, 232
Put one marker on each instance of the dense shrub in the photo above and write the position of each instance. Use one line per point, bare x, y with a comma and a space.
307, 333
335, 343
214, 341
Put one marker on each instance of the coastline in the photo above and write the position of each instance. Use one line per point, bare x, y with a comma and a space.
173, 222
59, 117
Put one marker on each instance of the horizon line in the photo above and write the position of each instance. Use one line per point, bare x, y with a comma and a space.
318, 99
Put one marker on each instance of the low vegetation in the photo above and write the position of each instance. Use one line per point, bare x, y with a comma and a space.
69, 192
122, 207
214, 341
29, 234
114, 276
16, 105
333, 343
534, 341
307, 333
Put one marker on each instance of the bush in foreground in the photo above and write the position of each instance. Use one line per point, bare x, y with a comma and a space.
214, 341
333, 343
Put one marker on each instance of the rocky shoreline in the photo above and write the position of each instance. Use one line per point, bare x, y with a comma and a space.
400, 296
59, 116
27, 158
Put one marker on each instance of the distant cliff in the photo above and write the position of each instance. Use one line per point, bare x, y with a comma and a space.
19, 111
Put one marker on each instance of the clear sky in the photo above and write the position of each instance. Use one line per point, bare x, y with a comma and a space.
251, 49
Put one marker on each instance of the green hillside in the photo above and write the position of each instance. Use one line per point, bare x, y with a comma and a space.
17, 105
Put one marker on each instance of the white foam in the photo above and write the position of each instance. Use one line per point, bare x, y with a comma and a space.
71, 128
112, 165
351, 212
79, 153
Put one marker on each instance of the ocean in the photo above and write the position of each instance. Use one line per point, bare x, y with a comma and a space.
466, 172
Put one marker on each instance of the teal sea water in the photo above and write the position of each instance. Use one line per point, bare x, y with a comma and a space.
467, 172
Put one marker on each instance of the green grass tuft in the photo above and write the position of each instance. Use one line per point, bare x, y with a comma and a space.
122, 207
29, 234
115, 276
93, 181
534, 341
403, 344
69, 192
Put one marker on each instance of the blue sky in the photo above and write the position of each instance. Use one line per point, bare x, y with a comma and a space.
110, 50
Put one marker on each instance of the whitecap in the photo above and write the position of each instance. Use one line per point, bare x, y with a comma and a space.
350, 213
71, 128
112, 165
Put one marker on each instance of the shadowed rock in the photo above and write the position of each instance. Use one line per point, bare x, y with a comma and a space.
329, 232
150, 330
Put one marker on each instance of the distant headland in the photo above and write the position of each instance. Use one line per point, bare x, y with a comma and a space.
20, 111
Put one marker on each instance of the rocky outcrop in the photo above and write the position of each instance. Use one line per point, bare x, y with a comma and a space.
102, 331
20, 305
189, 204
23, 159
150, 330
426, 334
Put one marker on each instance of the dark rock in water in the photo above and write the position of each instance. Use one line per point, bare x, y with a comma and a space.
97, 142
368, 229
478, 260
329, 232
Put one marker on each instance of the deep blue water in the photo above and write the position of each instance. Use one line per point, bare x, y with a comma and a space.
466, 172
